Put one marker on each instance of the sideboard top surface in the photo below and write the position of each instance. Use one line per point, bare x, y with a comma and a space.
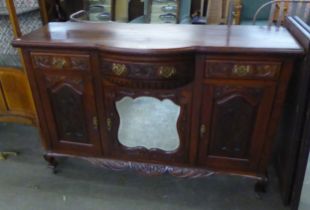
161, 38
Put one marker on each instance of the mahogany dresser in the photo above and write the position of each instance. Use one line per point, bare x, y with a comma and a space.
184, 100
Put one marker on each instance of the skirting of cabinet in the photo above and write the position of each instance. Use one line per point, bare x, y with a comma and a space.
148, 169
16, 103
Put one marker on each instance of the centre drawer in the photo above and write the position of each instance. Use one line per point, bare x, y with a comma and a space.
149, 73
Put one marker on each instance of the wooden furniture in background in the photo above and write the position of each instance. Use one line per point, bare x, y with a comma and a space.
17, 17
16, 103
226, 86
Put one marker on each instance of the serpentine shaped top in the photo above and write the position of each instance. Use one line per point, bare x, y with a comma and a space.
162, 38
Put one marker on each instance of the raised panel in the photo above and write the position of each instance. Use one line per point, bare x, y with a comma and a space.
67, 103
232, 125
235, 118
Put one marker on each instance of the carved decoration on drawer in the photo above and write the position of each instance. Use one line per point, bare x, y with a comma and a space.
80, 63
267, 71
60, 62
42, 61
222, 69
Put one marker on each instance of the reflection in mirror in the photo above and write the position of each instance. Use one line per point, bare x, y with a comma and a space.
148, 122
133, 11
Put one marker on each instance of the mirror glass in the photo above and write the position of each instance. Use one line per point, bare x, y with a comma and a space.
148, 122
133, 11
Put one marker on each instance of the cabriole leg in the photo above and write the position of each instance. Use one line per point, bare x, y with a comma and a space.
52, 162
261, 187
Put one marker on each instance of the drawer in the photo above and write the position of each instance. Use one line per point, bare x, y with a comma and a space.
153, 75
242, 69
60, 61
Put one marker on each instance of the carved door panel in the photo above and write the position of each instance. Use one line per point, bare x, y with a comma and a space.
147, 125
234, 119
69, 106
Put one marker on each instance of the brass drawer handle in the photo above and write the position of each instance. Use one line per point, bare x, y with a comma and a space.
119, 69
109, 124
167, 71
241, 70
59, 63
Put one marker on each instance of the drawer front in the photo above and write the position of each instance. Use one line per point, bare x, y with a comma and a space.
242, 69
60, 61
148, 75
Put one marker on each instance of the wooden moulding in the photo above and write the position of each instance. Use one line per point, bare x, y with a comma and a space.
144, 168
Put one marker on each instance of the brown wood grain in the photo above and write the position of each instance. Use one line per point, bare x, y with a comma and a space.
161, 38
16, 99
140, 52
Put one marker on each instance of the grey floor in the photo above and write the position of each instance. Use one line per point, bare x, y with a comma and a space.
27, 184
305, 194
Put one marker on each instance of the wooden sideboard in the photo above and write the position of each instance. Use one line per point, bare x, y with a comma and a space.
224, 88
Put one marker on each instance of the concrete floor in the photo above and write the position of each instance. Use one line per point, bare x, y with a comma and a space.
26, 183
305, 194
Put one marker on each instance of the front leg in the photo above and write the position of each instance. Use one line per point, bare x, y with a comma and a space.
52, 162
261, 186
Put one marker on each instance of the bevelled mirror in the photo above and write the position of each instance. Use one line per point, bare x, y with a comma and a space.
149, 123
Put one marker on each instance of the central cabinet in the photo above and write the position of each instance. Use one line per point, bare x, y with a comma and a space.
148, 106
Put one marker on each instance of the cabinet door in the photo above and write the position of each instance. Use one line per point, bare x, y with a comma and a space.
69, 106
147, 125
234, 119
